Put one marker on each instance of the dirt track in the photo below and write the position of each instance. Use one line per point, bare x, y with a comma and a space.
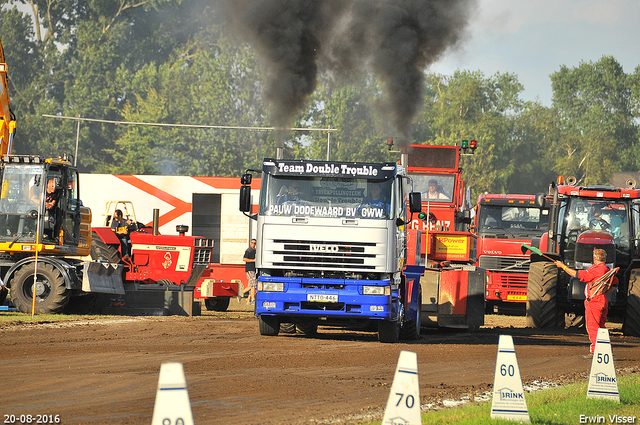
105, 371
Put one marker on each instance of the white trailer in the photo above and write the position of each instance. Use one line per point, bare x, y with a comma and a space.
208, 205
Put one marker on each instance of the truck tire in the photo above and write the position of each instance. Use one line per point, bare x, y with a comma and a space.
388, 331
51, 293
217, 304
308, 328
287, 328
269, 325
411, 328
103, 251
631, 326
542, 291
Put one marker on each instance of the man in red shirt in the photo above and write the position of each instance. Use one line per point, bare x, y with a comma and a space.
596, 305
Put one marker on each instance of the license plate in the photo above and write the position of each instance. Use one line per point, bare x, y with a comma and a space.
516, 297
325, 298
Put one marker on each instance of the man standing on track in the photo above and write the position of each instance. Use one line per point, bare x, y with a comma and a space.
249, 259
596, 305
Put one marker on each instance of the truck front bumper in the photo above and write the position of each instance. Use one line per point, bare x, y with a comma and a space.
331, 298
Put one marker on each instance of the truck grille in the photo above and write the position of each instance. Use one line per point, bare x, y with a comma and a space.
202, 256
511, 281
514, 264
322, 254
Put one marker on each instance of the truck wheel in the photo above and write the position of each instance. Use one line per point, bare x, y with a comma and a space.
103, 251
308, 328
388, 331
269, 325
51, 294
411, 328
542, 290
217, 304
631, 325
287, 328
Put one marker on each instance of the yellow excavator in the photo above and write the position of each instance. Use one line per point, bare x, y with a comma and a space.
45, 231
6, 115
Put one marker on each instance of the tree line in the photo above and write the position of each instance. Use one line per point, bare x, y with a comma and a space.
176, 61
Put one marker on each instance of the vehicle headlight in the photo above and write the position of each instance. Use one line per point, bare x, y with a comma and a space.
376, 290
272, 287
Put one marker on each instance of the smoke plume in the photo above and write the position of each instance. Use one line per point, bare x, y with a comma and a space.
395, 39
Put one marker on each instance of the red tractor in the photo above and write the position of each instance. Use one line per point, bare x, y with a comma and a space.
583, 218
171, 261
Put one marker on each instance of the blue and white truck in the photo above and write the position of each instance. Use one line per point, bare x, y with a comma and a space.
334, 249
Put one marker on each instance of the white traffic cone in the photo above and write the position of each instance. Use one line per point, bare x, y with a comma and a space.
602, 378
172, 398
508, 400
403, 405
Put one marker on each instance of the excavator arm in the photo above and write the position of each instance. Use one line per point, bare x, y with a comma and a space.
7, 119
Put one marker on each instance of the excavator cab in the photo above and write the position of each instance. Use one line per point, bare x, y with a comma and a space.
39, 203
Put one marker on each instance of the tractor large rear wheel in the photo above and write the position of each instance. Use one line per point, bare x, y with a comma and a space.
542, 296
103, 251
631, 325
51, 293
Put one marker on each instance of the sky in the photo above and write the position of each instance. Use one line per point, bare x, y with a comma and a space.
534, 38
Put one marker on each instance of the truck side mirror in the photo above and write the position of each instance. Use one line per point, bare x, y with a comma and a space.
540, 199
245, 179
245, 198
415, 202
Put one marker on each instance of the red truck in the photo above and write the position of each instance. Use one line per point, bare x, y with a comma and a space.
452, 286
502, 223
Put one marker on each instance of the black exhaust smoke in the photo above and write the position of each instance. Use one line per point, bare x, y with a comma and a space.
396, 39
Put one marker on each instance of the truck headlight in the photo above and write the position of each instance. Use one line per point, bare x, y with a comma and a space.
376, 290
271, 287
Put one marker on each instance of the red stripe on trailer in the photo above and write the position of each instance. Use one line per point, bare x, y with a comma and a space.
180, 207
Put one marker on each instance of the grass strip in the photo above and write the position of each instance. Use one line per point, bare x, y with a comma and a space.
566, 405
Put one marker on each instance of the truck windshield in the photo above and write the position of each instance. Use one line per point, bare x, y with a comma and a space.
20, 198
326, 197
522, 219
434, 187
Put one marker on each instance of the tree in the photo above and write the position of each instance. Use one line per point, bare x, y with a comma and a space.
597, 116
215, 85
468, 105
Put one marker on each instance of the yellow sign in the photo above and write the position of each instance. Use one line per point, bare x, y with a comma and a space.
451, 247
